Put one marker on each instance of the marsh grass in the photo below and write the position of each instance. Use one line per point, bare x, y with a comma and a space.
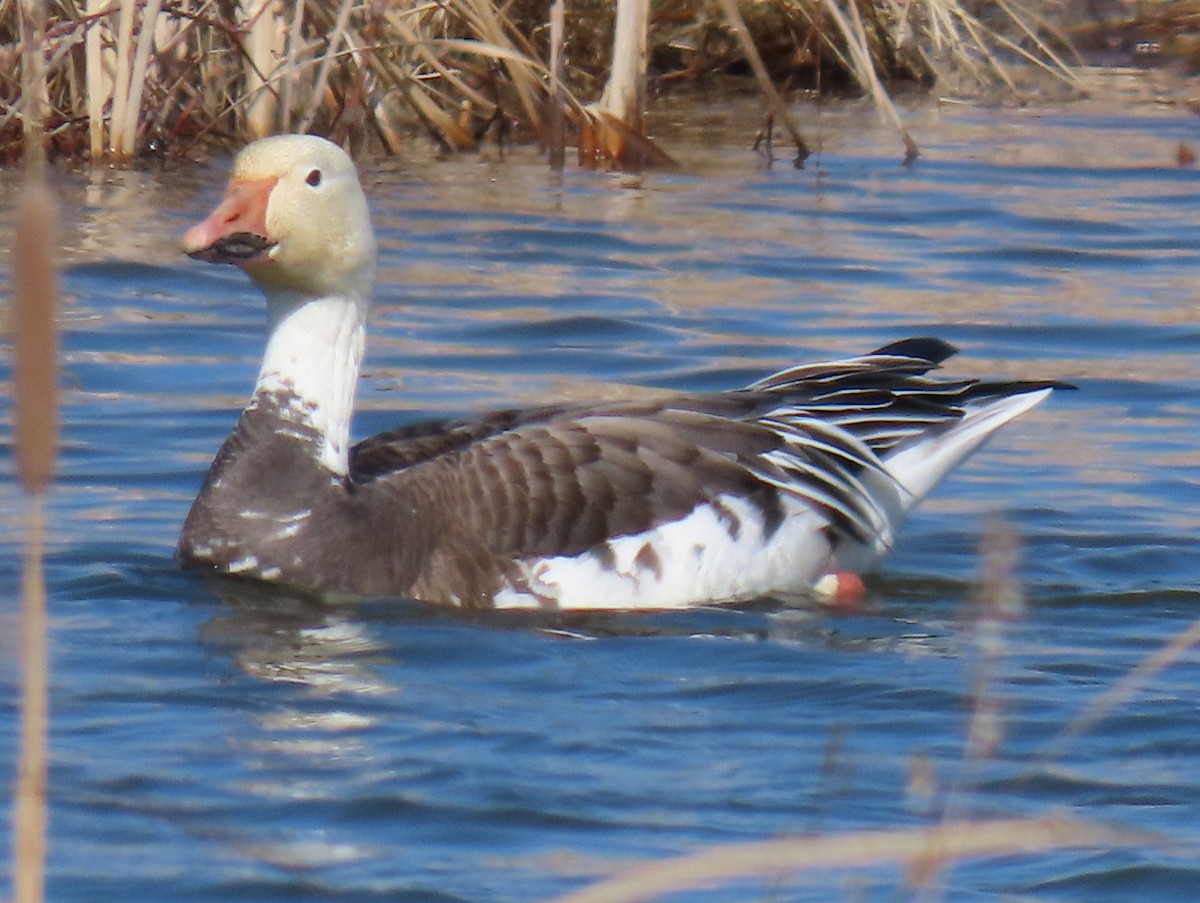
130, 77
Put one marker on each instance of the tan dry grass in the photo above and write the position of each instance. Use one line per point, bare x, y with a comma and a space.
126, 76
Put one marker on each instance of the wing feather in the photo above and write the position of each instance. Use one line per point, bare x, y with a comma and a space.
559, 480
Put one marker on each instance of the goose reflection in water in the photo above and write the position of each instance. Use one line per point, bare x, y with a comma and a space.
288, 636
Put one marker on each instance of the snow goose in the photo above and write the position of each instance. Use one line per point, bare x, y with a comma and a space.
689, 500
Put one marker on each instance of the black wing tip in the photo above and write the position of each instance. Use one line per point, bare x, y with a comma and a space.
937, 351
1031, 385
921, 348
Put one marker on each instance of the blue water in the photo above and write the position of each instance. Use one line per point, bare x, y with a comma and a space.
214, 741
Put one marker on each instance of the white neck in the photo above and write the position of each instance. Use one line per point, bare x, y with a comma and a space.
312, 358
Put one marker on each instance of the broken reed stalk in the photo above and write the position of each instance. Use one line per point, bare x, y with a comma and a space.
868, 78
35, 377
624, 95
613, 134
778, 107
999, 599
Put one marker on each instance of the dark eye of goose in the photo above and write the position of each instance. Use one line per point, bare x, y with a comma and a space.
313, 178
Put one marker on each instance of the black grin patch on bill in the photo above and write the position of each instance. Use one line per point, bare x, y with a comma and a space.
236, 248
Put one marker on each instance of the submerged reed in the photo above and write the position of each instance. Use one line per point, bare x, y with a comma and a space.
127, 77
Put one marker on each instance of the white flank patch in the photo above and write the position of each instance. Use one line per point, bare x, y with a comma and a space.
243, 564
288, 531
313, 355
286, 527
688, 562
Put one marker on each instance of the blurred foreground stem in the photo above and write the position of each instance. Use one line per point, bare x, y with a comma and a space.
29, 834
35, 378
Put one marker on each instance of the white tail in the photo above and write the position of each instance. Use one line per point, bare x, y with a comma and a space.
920, 466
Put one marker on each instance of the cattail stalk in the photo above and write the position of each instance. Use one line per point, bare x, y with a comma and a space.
625, 94
35, 377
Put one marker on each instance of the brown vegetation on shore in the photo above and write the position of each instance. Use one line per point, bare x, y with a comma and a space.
122, 78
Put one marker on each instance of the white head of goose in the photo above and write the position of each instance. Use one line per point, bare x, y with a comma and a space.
694, 499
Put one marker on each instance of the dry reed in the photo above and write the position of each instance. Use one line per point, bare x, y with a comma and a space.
865, 71
779, 109
1124, 690
123, 77
921, 851
624, 95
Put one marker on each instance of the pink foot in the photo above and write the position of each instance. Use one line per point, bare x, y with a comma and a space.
843, 590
